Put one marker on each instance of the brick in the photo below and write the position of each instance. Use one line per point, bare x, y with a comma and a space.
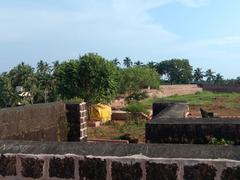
94, 169
7, 166
161, 171
199, 172
83, 119
83, 125
32, 168
82, 107
61, 168
122, 171
231, 173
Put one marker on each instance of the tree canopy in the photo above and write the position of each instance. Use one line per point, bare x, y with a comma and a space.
177, 71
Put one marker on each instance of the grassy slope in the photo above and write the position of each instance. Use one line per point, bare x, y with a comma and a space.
200, 98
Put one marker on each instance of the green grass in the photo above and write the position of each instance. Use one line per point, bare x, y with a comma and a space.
135, 107
200, 98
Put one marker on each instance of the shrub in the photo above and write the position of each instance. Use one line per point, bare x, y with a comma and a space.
135, 107
135, 78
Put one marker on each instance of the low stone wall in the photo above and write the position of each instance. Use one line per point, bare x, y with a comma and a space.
34, 122
220, 88
50, 122
18, 164
192, 131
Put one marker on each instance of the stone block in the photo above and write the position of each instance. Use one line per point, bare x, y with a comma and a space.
231, 173
125, 171
161, 171
94, 169
7, 166
32, 168
61, 168
200, 172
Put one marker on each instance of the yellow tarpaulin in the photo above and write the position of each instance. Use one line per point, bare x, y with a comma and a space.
100, 112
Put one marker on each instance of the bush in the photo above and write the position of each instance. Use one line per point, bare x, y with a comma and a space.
135, 78
215, 141
135, 107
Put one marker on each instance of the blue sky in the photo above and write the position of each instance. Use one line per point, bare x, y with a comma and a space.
207, 32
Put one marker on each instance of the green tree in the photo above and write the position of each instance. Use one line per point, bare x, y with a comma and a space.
23, 75
177, 71
152, 64
210, 75
218, 79
46, 83
198, 75
127, 62
136, 78
67, 77
8, 95
138, 63
116, 62
98, 79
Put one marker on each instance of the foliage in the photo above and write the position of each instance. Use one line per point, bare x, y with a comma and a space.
198, 75
46, 83
177, 71
98, 79
67, 77
127, 62
23, 75
210, 75
218, 79
215, 141
136, 78
8, 95
135, 107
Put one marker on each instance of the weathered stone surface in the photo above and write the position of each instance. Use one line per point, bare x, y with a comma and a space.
32, 122
170, 110
161, 171
7, 166
231, 173
199, 172
110, 149
192, 131
61, 168
94, 169
32, 168
126, 171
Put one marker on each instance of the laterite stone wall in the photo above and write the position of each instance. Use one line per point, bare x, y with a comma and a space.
44, 122
192, 131
105, 161
24, 166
